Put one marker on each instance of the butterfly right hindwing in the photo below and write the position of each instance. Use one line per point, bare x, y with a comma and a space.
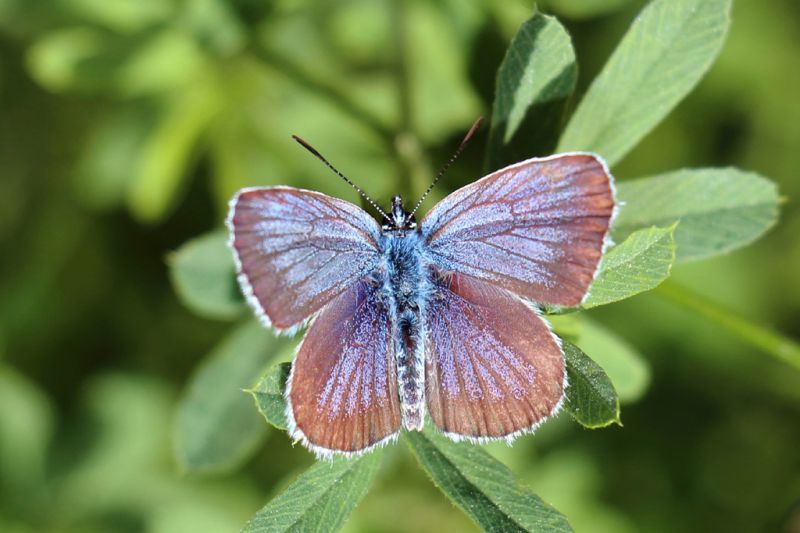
493, 367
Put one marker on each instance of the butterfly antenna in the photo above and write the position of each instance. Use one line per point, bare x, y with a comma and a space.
452, 159
319, 156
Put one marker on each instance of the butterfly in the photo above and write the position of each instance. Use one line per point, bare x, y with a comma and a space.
435, 320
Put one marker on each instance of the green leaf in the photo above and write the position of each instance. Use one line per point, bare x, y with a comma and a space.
106, 166
88, 59
535, 79
639, 264
627, 369
481, 486
122, 16
321, 498
435, 59
26, 424
268, 394
168, 152
591, 398
720, 209
759, 336
668, 48
204, 276
217, 427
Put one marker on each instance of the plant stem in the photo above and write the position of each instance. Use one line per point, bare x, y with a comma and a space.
761, 337
327, 90
406, 142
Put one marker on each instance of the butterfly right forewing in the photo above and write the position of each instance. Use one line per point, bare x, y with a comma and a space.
536, 228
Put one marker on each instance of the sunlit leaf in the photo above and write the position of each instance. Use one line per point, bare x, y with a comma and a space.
627, 369
719, 209
88, 59
167, 152
214, 24
591, 398
321, 498
268, 394
669, 47
53, 60
437, 73
131, 419
639, 264
107, 164
482, 486
217, 427
204, 276
26, 424
122, 15
536, 77
169, 59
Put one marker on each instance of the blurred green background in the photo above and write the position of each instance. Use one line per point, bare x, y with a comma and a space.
127, 125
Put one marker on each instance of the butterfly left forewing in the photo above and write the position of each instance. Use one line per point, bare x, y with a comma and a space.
493, 367
297, 250
342, 391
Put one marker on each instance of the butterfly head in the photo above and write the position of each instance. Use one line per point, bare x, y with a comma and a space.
401, 219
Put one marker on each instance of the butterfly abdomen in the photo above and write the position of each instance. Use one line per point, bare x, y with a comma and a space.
404, 288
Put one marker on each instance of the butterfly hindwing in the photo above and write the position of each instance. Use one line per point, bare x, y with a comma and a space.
342, 392
493, 367
536, 228
297, 250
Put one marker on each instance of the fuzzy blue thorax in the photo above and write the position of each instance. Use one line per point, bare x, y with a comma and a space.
406, 286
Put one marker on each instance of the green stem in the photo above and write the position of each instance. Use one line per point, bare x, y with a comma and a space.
406, 144
327, 90
413, 165
761, 337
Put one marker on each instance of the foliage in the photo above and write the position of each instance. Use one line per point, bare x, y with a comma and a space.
533, 83
162, 109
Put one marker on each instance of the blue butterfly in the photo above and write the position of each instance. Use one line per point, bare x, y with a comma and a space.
438, 317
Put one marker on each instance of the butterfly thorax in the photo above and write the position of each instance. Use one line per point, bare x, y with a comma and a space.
406, 287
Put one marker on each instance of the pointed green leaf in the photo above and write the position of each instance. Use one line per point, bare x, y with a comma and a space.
481, 486
668, 48
217, 427
268, 394
204, 276
535, 79
625, 366
639, 264
321, 498
591, 398
720, 209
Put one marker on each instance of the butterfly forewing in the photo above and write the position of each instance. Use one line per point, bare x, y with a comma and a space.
536, 228
342, 391
493, 367
297, 250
